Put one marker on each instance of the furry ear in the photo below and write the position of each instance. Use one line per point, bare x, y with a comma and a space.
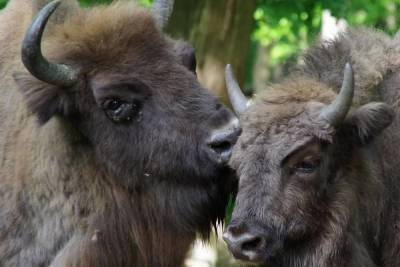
369, 121
186, 54
44, 100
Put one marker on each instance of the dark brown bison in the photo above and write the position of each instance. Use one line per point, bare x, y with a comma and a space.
319, 178
111, 153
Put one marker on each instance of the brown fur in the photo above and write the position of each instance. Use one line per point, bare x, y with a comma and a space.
77, 189
368, 50
344, 211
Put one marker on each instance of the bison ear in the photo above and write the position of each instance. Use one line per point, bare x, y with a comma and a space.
369, 120
43, 99
186, 54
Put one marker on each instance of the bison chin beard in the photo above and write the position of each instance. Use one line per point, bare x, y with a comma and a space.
166, 216
179, 213
195, 207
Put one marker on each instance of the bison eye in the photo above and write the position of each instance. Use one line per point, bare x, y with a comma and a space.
307, 166
121, 111
114, 104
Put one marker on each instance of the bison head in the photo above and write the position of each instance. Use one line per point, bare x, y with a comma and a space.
297, 159
131, 96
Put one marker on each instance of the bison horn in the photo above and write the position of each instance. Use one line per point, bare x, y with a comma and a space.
162, 10
337, 110
38, 66
238, 100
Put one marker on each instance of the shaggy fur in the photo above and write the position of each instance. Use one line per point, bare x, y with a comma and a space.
76, 187
369, 51
344, 212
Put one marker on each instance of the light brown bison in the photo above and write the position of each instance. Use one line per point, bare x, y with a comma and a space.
111, 153
319, 178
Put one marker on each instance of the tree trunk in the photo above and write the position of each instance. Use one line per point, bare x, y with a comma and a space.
220, 31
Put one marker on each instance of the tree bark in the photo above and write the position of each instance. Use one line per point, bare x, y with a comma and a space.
220, 31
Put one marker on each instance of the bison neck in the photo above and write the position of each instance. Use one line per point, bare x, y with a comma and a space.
125, 233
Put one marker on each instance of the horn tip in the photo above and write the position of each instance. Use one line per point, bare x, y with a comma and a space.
228, 70
348, 69
54, 4
348, 73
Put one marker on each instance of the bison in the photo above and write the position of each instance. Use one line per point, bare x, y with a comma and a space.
111, 152
319, 180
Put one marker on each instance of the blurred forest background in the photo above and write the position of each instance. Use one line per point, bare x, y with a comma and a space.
261, 39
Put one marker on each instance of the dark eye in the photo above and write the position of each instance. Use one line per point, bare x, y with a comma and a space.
113, 104
307, 166
121, 111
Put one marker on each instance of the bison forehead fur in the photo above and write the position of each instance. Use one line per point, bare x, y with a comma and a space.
312, 193
84, 184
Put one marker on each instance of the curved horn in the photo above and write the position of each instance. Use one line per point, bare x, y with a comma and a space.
38, 66
238, 100
162, 10
337, 110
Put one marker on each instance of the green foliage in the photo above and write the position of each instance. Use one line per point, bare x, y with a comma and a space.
288, 27
229, 209
145, 2
92, 2
2, 3
381, 14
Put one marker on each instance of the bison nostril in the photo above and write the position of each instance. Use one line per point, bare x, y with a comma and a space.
221, 147
252, 244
